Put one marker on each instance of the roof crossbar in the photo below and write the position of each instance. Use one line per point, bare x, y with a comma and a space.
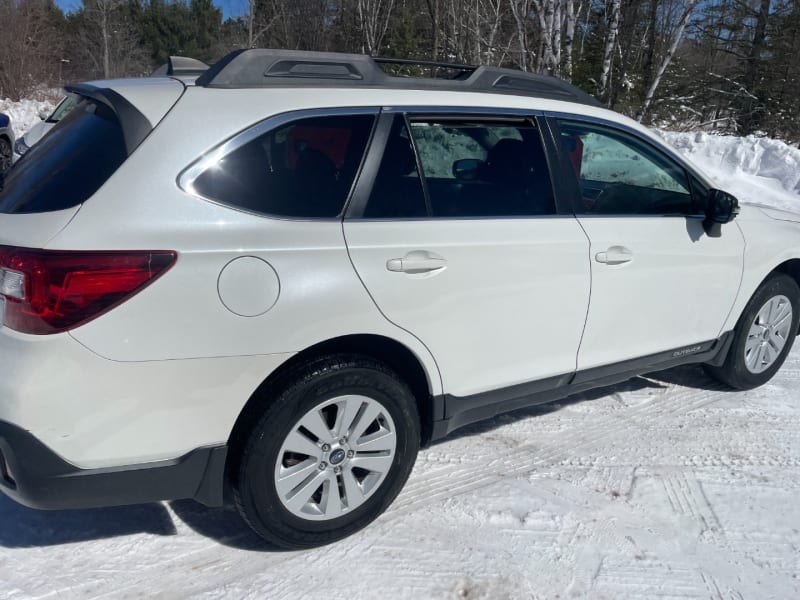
259, 67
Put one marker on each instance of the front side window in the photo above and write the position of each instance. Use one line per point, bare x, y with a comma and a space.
621, 174
303, 169
468, 169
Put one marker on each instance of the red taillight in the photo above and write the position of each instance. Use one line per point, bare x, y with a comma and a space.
49, 291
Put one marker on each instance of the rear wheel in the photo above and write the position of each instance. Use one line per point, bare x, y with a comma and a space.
763, 336
330, 453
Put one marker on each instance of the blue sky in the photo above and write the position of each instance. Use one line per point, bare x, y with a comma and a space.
230, 8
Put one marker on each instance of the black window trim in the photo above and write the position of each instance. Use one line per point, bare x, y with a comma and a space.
567, 173
210, 157
365, 181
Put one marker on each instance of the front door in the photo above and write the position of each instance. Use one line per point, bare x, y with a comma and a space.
659, 281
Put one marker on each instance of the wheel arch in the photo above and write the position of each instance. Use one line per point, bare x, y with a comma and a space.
394, 354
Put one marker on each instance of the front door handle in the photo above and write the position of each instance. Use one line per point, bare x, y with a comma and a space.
418, 261
615, 255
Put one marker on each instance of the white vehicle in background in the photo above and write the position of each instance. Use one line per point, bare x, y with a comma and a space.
47, 122
281, 280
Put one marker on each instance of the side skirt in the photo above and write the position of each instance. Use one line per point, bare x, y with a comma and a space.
465, 410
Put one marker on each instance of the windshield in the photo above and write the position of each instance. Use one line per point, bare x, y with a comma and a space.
69, 164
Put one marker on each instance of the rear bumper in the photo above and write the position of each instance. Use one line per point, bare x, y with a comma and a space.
33, 475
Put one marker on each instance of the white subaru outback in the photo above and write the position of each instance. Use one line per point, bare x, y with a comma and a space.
283, 279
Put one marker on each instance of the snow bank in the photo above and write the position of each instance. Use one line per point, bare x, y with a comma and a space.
755, 169
24, 114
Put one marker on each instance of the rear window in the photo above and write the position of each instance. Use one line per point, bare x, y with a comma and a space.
68, 165
304, 169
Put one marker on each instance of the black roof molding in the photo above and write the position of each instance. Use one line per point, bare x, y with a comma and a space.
257, 68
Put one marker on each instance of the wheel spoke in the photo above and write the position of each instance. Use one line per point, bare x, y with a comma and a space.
379, 463
291, 477
784, 311
761, 318
346, 414
771, 306
752, 343
766, 356
751, 358
303, 493
353, 495
331, 502
314, 422
365, 418
380, 440
300, 444
784, 320
758, 359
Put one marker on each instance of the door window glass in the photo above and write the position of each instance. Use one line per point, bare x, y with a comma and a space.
621, 174
469, 169
480, 169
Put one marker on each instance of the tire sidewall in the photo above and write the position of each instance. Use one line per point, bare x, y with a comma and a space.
256, 481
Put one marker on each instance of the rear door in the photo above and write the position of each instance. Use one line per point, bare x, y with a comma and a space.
455, 233
660, 282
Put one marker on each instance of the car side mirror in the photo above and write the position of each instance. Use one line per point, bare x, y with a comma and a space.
722, 208
43, 114
466, 169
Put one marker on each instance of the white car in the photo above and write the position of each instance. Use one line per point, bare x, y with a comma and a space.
46, 123
285, 278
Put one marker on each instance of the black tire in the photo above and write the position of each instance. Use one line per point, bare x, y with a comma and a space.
6, 155
734, 371
254, 471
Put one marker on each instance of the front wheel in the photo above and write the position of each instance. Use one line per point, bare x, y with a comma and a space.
763, 336
330, 453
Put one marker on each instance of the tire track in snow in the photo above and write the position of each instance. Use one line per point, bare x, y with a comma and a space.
446, 483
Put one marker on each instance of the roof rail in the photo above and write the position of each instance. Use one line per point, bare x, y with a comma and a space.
292, 68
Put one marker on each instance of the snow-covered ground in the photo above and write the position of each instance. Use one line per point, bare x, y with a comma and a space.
666, 486
24, 114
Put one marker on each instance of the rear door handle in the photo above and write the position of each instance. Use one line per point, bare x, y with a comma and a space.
416, 262
615, 255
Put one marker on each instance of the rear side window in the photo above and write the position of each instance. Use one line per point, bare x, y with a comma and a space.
468, 169
68, 165
304, 169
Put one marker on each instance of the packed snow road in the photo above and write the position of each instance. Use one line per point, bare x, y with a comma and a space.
664, 486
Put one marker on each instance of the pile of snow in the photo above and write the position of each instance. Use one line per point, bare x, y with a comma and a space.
25, 113
754, 169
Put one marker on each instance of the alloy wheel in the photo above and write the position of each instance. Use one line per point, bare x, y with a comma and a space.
335, 457
768, 334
